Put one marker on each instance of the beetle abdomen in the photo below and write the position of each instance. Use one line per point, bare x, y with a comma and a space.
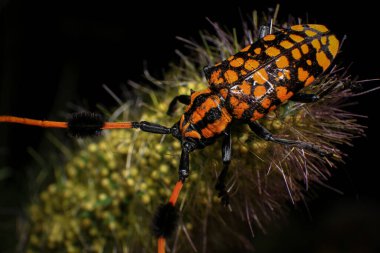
271, 70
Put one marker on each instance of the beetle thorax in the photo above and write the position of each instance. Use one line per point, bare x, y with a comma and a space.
205, 118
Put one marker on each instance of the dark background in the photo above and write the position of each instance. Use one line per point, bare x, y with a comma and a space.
54, 55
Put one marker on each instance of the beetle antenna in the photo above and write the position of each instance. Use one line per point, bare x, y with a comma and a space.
84, 124
166, 218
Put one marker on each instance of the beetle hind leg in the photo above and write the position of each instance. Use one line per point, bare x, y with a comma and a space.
266, 135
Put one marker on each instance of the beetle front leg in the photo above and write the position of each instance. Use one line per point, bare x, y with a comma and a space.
266, 135
183, 99
226, 158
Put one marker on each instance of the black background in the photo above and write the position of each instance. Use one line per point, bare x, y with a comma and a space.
56, 54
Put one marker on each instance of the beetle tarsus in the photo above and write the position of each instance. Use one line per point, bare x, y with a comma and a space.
222, 192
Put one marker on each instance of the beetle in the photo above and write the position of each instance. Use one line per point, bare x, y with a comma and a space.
248, 85
241, 89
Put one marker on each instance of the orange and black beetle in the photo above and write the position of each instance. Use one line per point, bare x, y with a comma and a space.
251, 83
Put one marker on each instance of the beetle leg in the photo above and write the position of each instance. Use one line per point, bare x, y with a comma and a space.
226, 158
183, 99
264, 30
266, 135
305, 98
184, 171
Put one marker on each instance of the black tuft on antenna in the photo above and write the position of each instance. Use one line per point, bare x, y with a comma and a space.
85, 124
165, 220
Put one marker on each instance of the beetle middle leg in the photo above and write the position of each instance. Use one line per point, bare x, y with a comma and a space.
226, 158
183, 99
266, 135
